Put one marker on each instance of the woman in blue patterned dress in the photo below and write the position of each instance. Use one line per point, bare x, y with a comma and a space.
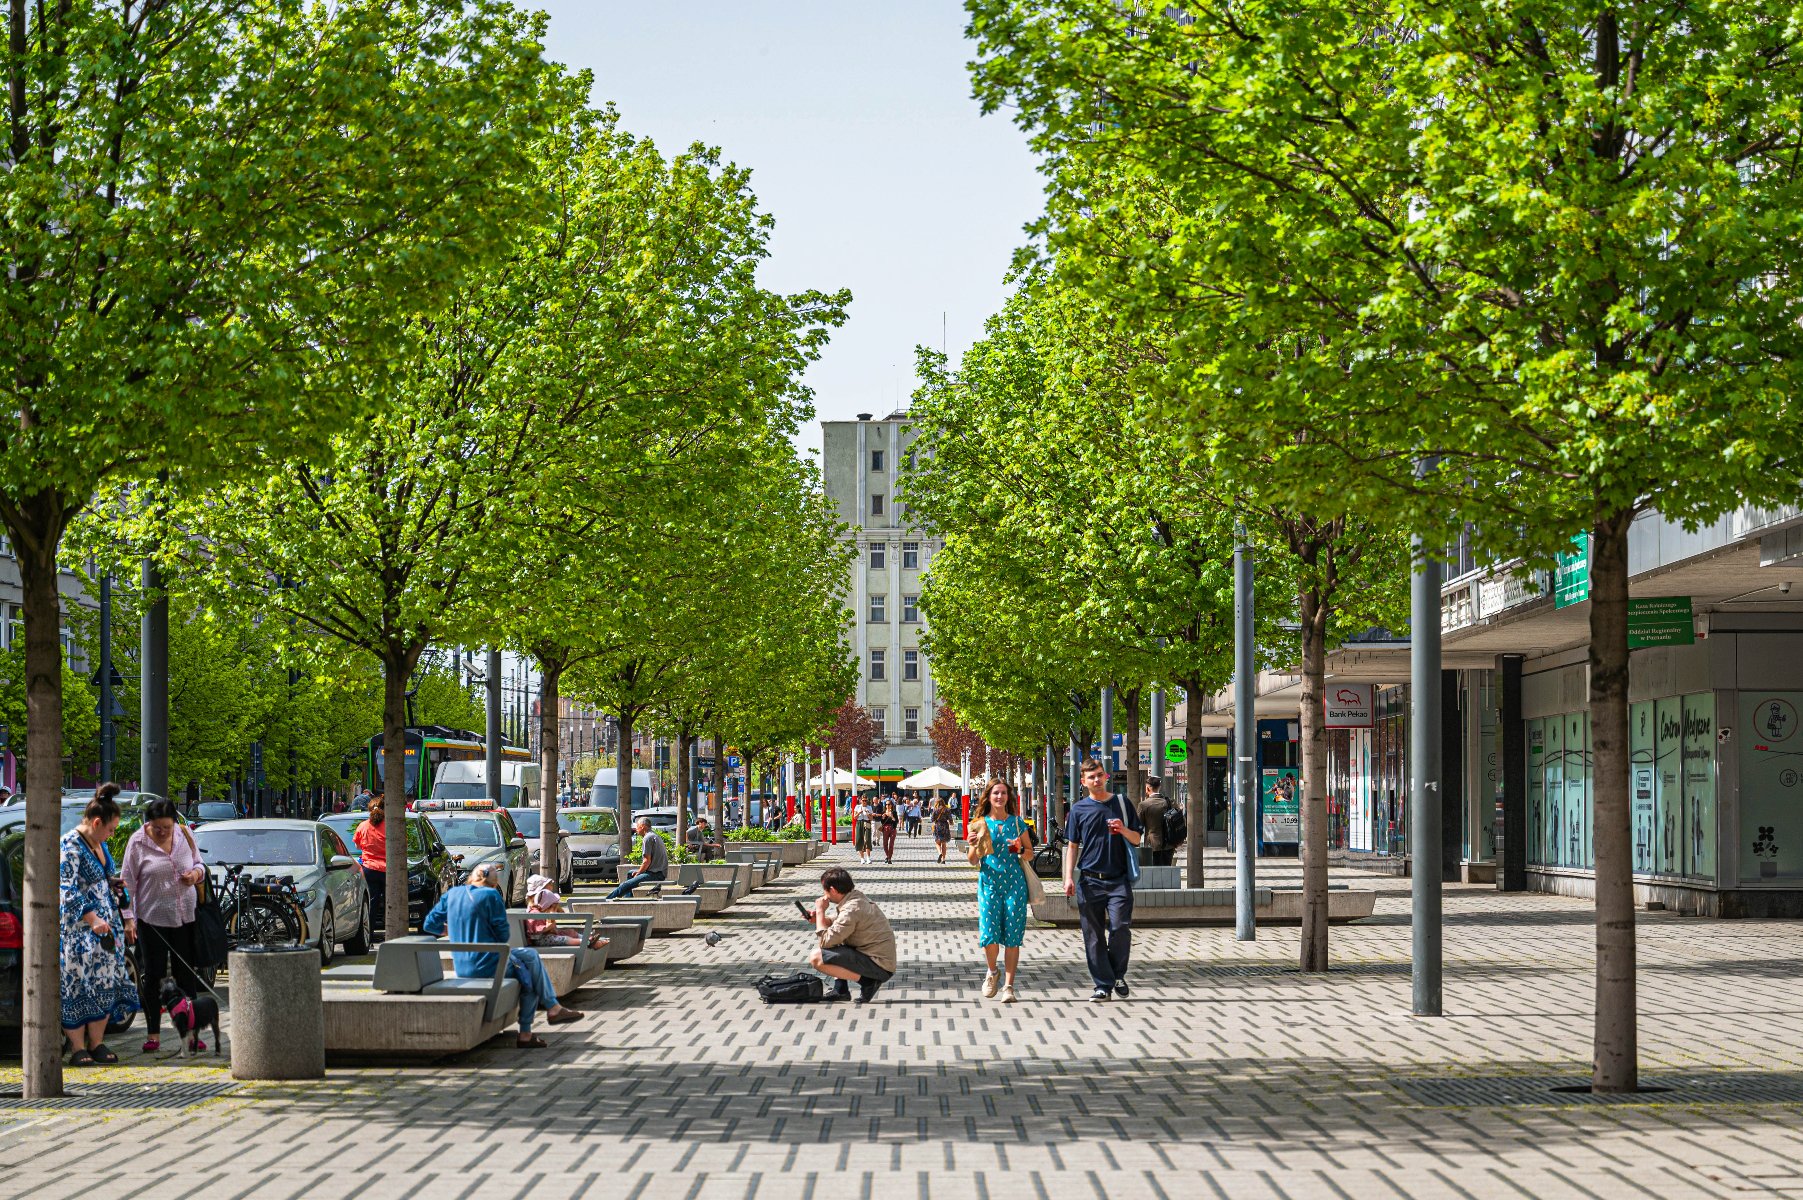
1000, 848
95, 927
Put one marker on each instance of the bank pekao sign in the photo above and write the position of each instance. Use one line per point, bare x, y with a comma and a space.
1349, 705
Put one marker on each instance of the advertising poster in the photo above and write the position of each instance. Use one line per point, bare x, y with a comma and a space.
1281, 793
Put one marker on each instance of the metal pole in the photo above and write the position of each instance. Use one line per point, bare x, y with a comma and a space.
108, 743
494, 733
1071, 793
1108, 733
1424, 791
1245, 746
1157, 733
153, 687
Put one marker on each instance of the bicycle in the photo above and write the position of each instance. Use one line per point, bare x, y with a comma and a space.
264, 912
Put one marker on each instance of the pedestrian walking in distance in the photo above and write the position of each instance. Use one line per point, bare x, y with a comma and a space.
162, 873
1001, 849
888, 821
1098, 833
1158, 848
861, 826
942, 825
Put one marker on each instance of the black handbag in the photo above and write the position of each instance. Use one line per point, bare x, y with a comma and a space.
803, 987
211, 945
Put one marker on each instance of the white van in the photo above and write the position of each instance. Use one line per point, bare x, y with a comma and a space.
606, 792
467, 779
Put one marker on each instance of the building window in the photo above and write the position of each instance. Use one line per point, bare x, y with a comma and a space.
877, 612
876, 460
879, 555
910, 556
876, 504
910, 665
876, 666
910, 724
911, 609
881, 717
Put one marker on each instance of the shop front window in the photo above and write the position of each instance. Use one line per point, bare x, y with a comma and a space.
1771, 798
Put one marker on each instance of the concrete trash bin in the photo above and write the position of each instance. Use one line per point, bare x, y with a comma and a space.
278, 1016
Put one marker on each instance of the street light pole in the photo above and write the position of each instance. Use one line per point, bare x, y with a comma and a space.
153, 687
1424, 761
1245, 746
492, 716
108, 743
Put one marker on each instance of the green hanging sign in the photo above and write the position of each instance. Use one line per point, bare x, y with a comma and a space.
1660, 621
1571, 574
1176, 751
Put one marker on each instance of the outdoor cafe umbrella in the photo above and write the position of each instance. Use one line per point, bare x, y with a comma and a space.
931, 779
839, 779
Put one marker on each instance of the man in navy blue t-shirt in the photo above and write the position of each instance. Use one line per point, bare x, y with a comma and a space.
1097, 834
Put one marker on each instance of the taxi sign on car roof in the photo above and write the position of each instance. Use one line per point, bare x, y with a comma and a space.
440, 805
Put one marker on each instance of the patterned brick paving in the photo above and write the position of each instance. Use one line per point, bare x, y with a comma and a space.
1226, 1075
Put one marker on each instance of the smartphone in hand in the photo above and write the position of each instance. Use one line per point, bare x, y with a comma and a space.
807, 914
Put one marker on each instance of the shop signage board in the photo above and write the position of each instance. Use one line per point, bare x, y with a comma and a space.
1660, 621
1281, 804
1176, 751
1349, 705
1571, 575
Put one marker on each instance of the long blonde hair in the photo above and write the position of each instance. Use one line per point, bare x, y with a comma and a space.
979, 833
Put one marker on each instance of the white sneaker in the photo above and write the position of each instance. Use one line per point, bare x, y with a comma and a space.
989, 983
1008, 994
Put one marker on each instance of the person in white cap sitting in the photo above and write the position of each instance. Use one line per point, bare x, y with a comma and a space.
542, 897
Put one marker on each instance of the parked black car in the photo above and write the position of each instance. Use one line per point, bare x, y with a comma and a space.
431, 872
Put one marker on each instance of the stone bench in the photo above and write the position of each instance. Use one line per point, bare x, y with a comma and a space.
766, 865
668, 915
1212, 906
407, 1006
568, 967
626, 936
714, 897
735, 875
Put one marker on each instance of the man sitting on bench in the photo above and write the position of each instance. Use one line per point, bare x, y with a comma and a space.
653, 868
475, 912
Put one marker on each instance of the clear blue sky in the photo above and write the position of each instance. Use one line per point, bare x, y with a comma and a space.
865, 145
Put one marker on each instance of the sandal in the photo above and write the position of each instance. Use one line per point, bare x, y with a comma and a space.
564, 1017
532, 1043
103, 1055
81, 1058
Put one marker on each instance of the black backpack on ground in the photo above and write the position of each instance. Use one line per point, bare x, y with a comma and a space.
803, 987
1176, 827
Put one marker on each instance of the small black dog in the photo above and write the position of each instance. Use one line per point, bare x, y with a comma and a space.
190, 1015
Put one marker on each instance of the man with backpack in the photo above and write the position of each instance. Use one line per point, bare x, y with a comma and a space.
855, 940
1164, 822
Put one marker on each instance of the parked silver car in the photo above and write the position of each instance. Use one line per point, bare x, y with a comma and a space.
334, 899
527, 821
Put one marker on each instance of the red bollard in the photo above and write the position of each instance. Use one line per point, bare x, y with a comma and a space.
789, 801
829, 816
965, 831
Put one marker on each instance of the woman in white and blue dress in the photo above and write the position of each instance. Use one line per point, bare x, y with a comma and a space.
1000, 849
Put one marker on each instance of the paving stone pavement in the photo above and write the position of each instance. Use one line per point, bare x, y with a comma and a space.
1228, 1074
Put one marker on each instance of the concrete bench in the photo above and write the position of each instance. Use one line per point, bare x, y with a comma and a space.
1211, 906
409, 1007
767, 865
714, 897
668, 915
626, 936
795, 853
568, 967
737, 876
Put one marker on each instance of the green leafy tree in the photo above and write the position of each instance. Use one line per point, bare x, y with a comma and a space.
214, 213
1551, 247
80, 718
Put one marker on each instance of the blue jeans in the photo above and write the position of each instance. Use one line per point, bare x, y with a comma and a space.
536, 992
1105, 910
626, 885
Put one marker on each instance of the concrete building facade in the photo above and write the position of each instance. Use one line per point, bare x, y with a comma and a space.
864, 463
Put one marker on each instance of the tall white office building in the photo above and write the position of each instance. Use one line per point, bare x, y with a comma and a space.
864, 462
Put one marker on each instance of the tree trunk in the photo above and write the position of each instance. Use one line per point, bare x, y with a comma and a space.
623, 788
395, 671
550, 730
1196, 768
1130, 707
42, 1034
1314, 614
1616, 1065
